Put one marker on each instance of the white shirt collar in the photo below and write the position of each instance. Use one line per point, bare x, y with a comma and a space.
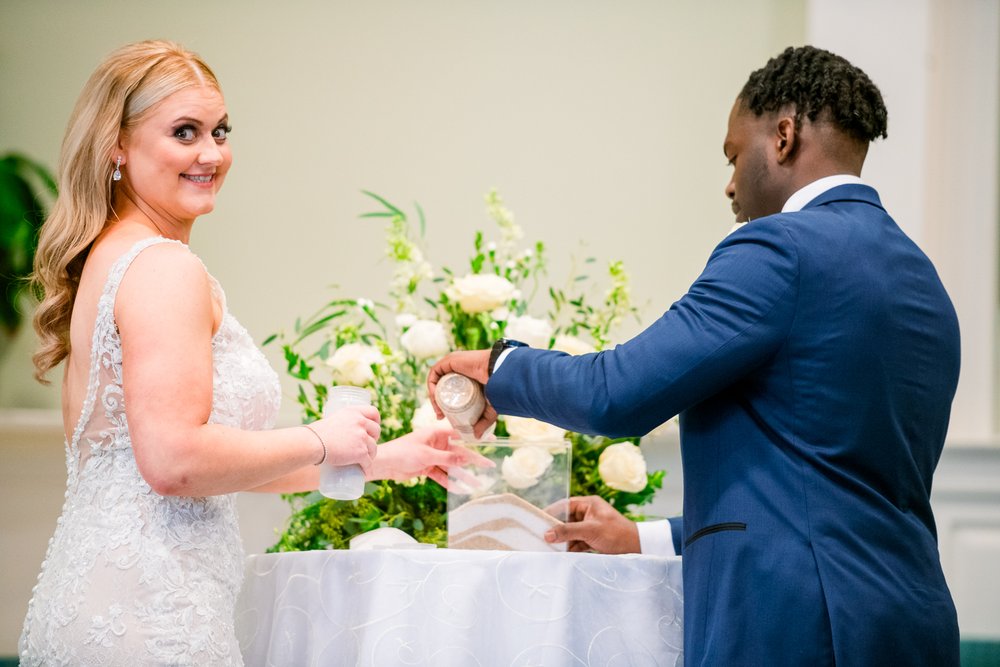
815, 189
805, 195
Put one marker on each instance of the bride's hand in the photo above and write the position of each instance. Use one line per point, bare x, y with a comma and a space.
424, 452
351, 435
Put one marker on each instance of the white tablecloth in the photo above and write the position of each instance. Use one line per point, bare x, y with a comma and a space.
441, 608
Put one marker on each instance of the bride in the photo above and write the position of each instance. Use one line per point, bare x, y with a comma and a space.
167, 405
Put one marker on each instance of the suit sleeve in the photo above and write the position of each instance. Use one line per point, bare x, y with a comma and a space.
677, 534
732, 320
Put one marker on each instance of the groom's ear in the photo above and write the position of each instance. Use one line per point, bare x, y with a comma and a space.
785, 138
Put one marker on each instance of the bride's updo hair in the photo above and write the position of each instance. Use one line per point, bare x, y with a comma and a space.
117, 97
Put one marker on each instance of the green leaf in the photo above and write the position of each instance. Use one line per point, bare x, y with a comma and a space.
302, 371
420, 216
385, 203
317, 325
291, 356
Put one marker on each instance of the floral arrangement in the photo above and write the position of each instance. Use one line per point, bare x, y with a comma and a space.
390, 347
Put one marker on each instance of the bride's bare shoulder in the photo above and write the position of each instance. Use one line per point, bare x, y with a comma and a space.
161, 272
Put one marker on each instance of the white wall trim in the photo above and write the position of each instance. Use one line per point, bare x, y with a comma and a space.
939, 172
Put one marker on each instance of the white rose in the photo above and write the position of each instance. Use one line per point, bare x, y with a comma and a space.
404, 320
425, 339
500, 314
530, 330
471, 484
352, 364
623, 467
533, 430
424, 416
479, 292
572, 345
525, 466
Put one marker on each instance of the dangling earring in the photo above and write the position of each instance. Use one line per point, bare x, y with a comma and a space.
116, 175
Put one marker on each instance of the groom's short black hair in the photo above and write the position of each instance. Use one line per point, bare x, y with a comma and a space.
814, 81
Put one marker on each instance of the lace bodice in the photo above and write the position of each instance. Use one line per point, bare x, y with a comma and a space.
132, 577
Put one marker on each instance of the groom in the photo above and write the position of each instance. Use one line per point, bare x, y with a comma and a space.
813, 364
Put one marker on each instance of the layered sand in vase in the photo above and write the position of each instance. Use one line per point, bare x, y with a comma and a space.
504, 522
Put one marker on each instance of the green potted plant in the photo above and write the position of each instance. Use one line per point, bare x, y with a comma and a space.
26, 188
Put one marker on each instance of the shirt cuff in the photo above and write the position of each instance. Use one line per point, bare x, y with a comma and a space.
656, 538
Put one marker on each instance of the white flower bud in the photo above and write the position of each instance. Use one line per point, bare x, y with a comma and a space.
425, 339
534, 430
351, 364
572, 345
623, 467
525, 466
424, 416
404, 320
530, 330
480, 292
471, 484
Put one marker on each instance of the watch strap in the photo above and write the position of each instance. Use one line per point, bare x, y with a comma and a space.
498, 347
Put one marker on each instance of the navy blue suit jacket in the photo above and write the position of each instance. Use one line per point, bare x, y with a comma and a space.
813, 364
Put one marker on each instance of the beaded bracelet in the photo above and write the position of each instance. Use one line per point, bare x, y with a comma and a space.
320, 438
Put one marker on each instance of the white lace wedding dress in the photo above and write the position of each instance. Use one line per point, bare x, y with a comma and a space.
132, 577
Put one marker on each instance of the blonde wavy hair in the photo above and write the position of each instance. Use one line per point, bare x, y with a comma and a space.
117, 97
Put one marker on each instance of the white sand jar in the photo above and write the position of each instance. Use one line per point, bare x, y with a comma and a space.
343, 482
461, 400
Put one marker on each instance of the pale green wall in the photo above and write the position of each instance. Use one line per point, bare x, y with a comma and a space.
599, 121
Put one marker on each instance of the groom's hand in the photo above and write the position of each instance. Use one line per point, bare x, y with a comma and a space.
470, 363
593, 524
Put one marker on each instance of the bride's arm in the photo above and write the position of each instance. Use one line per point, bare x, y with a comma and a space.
425, 452
165, 318
303, 479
